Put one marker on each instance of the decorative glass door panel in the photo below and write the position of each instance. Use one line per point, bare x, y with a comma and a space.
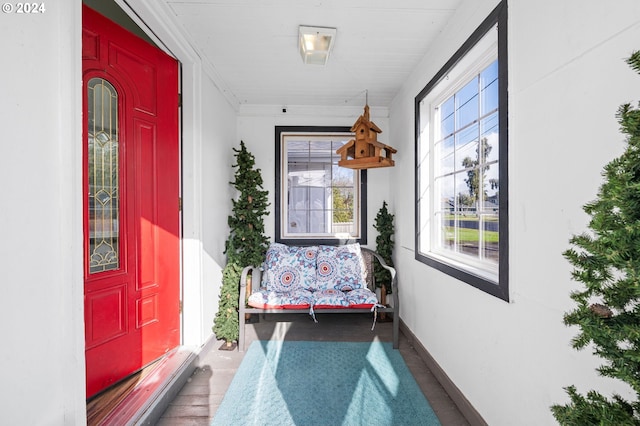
103, 173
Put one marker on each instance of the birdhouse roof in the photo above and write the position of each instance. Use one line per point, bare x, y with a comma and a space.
345, 146
365, 120
383, 146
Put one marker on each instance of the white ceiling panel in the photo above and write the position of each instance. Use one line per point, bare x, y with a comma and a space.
252, 45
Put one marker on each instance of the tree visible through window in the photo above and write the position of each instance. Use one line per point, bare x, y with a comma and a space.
466, 168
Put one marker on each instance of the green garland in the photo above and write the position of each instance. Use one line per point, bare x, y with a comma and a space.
246, 244
384, 246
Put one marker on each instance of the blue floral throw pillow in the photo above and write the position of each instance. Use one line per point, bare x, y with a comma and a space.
289, 268
340, 268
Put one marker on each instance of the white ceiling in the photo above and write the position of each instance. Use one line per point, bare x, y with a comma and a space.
252, 45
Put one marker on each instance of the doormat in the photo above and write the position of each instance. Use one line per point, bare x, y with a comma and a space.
324, 383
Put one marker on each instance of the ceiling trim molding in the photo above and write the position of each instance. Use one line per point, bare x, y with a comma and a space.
252, 110
155, 19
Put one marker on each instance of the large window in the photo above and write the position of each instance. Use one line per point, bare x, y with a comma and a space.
461, 162
318, 201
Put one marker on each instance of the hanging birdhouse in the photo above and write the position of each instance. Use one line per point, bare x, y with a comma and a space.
365, 151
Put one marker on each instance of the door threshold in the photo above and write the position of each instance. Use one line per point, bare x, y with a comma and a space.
144, 397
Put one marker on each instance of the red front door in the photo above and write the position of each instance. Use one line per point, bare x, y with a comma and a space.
131, 209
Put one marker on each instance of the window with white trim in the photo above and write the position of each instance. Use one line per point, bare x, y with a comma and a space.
318, 201
461, 162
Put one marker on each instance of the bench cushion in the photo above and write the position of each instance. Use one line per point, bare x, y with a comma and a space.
340, 268
289, 268
361, 298
329, 298
315, 276
296, 299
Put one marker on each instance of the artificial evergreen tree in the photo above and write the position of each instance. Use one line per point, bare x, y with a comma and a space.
607, 262
384, 246
246, 244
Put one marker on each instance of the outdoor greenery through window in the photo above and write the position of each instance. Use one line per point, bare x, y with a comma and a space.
318, 200
466, 169
461, 164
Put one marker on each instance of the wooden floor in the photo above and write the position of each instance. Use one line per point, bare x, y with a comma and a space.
197, 402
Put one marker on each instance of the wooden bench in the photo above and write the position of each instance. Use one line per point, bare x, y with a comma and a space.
368, 256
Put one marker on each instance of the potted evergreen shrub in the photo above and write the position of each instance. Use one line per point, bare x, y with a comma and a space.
384, 247
607, 261
246, 244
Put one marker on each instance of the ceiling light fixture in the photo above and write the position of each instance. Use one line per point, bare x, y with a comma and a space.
315, 44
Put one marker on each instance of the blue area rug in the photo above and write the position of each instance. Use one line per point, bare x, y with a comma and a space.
323, 383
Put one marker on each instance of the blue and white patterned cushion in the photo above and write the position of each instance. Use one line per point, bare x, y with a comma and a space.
361, 297
340, 268
289, 268
296, 299
329, 298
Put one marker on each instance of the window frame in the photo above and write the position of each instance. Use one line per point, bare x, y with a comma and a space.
454, 268
362, 202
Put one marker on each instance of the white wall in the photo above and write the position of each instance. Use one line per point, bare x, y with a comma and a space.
256, 127
207, 157
567, 79
219, 137
41, 288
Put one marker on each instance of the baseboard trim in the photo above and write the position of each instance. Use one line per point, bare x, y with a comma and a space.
468, 411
